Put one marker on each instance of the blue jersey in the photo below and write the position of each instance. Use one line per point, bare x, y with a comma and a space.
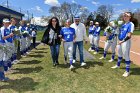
1, 40
68, 34
22, 29
91, 30
6, 32
96, 31
29, 29
125, 29
12, 28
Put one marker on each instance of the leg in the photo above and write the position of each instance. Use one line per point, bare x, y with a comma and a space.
80, 47
57, 48
65, 50
53, 53
74, 50
107, 46
120, 55
70, 50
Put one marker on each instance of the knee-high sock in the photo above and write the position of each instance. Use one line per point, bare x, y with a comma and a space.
105, 54
127, 65
119, 61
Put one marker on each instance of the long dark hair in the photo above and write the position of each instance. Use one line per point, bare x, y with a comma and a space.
57, 23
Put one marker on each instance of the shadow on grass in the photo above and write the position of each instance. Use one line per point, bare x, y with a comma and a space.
36, 56
20, 85
77, 65
30, 62
134, 70
40, 52
27, 70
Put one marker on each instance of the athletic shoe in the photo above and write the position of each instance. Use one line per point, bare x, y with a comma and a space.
92, 50
115, 67
83, 64
111, 60
95, 53
71, 67
28, 53
89, 49
126, 74
102, 57
5, 79
74, 61
15, 62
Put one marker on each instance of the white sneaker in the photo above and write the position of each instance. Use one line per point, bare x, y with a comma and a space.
102, 57
74, 61
126, 74
83, 64
28, 53
111, 60
15, 62
92, 50
89, 49
95, 53
71, 67
115, 67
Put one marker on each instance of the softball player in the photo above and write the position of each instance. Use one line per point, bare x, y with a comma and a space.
2, 76
90, 32
29, 29
68, 36
124, 44
22, 28
96, 35
111, 40
12, 27
7, 36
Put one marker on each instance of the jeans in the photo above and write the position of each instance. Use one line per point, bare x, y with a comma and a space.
80, 47
55, 53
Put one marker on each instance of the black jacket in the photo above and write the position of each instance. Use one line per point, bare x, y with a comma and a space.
46, 39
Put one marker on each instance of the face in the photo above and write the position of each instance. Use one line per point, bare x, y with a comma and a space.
54, 21
91, 23
22, 23
13, 22
68, 24
77, 21
6, 24
126, 18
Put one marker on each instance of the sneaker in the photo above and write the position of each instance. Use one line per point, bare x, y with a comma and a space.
5, 79
115, 67
74, 61
95, 53
71, 67
111, 60
83, 64
27, 53
92, 50
102, 57
89, 49
126, 74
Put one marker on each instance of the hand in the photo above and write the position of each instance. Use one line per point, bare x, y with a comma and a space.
63, 40
11, 34
120, 42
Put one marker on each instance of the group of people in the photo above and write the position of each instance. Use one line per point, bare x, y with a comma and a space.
73, 36
13, 41
117, 36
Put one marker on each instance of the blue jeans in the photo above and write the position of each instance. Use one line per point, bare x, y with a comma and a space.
55, 53
80, 47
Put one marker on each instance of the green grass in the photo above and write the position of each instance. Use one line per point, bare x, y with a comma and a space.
136, 32
35, 74
39, 35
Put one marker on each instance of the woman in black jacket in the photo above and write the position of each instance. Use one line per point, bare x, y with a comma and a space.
51, 38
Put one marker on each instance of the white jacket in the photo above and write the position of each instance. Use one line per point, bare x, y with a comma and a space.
80, 31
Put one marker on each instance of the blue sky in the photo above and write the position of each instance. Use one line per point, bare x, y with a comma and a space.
40, 7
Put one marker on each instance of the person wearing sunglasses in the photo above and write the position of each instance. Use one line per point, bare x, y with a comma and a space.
53, 38
124, 44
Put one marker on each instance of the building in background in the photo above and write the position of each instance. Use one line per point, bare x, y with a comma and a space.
9, 13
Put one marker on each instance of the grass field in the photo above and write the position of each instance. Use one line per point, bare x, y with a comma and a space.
35, 74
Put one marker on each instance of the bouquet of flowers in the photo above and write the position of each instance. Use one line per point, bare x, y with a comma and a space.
16, 32
25, 33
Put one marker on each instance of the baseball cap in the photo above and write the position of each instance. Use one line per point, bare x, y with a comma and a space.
6, 20
76, 17
96, 23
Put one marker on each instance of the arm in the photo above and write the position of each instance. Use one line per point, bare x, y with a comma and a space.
129, 35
